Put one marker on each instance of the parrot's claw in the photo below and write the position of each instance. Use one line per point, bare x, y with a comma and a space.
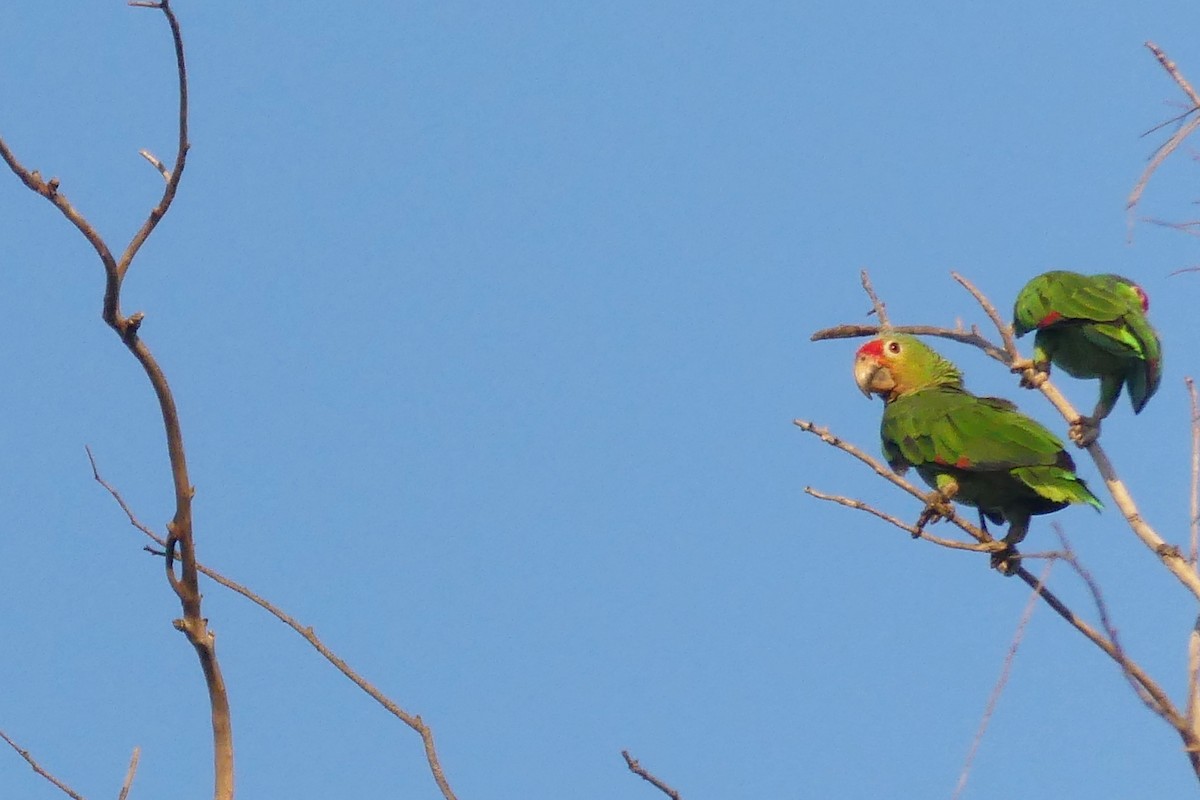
1033, 374
937, 507
1084, 431
1005, 558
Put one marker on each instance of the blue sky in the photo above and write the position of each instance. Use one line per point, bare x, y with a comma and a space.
487, 328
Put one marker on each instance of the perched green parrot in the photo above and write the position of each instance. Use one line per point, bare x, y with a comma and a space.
979, 451
1092, 326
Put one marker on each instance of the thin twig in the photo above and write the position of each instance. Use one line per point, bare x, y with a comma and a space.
158, 165
877, 305
1174, 72
881, 470
133, 765
1193, 675
1193, 699
913, 530
1105, 619
413, 721
958, 334
39, 769
1170, 146
1173, 143
1005, 330
1001, 683
1194, 500
639, 770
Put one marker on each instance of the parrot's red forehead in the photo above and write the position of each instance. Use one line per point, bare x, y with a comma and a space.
873, 348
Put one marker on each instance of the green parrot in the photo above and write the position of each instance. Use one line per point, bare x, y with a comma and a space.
1092, 326
979, 451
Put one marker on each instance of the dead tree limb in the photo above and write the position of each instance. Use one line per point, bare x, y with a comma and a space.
413, 721
179, 543
644, 774
39, 769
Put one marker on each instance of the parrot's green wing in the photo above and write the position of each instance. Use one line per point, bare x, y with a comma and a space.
952, 427
984, 443
1063, 298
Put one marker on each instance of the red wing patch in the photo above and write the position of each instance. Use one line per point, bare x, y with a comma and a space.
1049, 319
962, 463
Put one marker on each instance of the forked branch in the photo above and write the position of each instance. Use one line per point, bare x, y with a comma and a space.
1172, 144
179, 542
413, 721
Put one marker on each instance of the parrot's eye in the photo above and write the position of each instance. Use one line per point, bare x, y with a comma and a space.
893, 347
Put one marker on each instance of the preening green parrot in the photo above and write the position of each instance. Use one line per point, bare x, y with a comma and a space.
1092, 326
979, 451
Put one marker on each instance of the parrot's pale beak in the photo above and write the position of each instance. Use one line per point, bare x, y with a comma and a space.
872, 377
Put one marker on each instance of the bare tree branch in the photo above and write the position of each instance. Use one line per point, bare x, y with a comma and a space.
179, 539
67, 790
1174, 72
1001, 682
959, 334
1193, 698
1173, 143
639, 770
877, 305
158, 165
1193, 675
913, 530
133, 765
413, 721
882, 471
1194, 495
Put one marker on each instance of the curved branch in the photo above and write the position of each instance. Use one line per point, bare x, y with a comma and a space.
176, 173
179, 539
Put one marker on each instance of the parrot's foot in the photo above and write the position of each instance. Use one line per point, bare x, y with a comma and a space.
1033, 374
937, 507
1084, 431
1007, 561
1005, 558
